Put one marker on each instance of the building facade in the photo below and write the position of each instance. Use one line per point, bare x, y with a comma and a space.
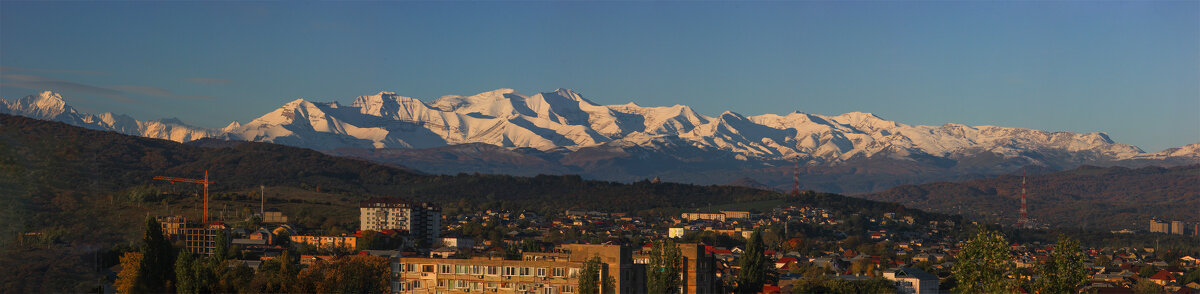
703, 216
347, 242
912, 280
548, 273
421, 220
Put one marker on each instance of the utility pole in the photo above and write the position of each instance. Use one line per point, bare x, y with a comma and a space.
262, 207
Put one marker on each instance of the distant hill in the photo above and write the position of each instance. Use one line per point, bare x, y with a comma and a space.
1092, 197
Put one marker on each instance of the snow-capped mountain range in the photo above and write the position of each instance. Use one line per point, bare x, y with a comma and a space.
563, 120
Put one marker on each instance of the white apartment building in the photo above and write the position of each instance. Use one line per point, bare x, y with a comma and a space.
419, 219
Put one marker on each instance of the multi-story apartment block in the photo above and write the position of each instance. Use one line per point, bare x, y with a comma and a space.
1157, 226
554, 272
418, 219
1177, 227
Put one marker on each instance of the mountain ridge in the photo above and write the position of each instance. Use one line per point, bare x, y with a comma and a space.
579, 136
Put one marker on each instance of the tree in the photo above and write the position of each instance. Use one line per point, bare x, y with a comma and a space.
350, 274
129, 279
186, 279
158, 259
221, 252
589, 276
754, 265
663, 272
984, 265
1145, 286
1064, 271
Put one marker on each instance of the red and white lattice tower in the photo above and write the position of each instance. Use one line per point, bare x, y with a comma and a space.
1023, 215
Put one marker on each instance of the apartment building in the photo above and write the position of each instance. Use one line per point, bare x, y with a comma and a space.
421, 220
546, 273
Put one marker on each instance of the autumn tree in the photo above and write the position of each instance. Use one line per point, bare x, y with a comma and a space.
1064, 271
276, 275
754, 265
985, 265
129, 279
666, 264
350, 274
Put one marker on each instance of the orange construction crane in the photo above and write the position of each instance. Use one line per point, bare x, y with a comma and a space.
205, 181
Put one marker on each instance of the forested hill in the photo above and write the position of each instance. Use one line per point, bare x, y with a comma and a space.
1092, 197
38, 155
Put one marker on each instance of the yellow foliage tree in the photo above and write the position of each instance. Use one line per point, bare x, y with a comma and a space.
131, 272
351, 274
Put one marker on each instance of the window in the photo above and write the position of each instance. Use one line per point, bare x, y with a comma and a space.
493, 270
568, 289
492, 285
558, 272
574, 272
510, 271
461, 269
525, 271
547, 289
476, 270
441, 283
426, 268
541, 272
446, 269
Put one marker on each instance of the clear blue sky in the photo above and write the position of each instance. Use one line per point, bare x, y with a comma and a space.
1130, 69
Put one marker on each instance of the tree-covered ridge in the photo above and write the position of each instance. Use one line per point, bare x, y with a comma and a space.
1110, 198
53, 154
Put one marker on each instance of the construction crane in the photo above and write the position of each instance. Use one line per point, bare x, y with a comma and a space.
204, 181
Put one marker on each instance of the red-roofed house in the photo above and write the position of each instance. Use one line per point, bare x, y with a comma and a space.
784, 261
1162, 277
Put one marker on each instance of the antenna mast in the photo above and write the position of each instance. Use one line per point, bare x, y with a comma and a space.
1023, 216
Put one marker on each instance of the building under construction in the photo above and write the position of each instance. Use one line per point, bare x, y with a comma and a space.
197, 238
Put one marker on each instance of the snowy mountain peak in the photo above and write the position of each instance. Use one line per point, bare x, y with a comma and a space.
44, 105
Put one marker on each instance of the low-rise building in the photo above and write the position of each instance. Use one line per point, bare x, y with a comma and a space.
347, 242
912, 280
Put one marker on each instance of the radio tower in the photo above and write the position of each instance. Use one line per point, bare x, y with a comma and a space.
796, 176
1023, 216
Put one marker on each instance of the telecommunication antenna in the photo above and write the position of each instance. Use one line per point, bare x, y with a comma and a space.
1023, 214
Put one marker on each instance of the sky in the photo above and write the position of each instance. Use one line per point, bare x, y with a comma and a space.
1129, 69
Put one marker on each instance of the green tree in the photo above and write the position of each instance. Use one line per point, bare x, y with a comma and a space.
589, 276
221, 252
1064, 271
158, 260
186, 277
663, 272
754, 265
1145, 286
985, 265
